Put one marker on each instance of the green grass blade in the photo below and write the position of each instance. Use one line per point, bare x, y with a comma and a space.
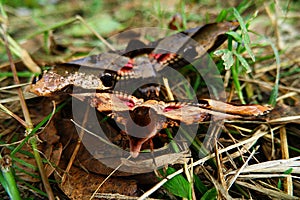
38, 191
25, 74
243, 62
222, 15
36, 128
172, 142
236, 81
245, 35
4, 183
274, 93
8, 178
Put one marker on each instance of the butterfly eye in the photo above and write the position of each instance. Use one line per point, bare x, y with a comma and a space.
37, 78
108, 79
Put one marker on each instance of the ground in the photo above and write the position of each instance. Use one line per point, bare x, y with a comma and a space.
253, 158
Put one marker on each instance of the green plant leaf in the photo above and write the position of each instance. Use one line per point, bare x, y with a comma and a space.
279, 184
210, 194
245, 35
289, 171
199, 185
178, 185
235, 35
243, 62
227, 57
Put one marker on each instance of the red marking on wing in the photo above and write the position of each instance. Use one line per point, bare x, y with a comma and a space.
156, 56
127, 68
173, 107
130, 103
162, 57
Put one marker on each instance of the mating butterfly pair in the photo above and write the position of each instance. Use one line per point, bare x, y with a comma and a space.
105, 79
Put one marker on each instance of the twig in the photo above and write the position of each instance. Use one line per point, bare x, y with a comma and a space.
167, 86
270, 85
95, 32
26, 114
233, 179
16, 79
273, 166
75, 152
117, 196
69, 21
270, 192
220, 168
16, 117
217, 185
289, 119
288, 181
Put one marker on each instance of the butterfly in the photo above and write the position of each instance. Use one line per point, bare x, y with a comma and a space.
125, 83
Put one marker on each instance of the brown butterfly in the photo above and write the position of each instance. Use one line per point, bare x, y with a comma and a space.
148, 109
143, 119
